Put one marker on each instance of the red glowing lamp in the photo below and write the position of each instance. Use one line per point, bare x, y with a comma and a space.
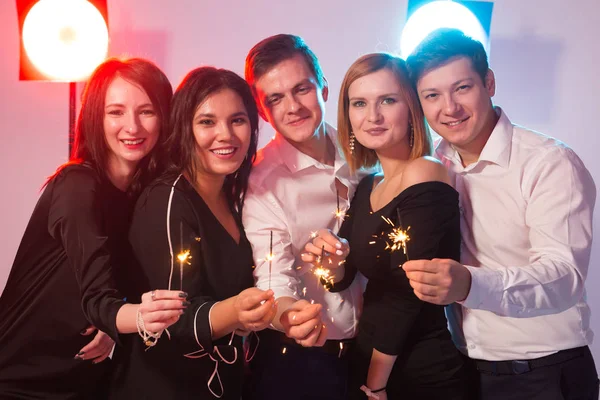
63, 41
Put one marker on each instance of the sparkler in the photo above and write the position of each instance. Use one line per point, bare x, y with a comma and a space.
184, 256
398, 236
339, 214
323, 274
270, 257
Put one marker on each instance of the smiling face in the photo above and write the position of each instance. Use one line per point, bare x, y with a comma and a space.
222, 131
379, 114
458, 105
292, 100
131, 124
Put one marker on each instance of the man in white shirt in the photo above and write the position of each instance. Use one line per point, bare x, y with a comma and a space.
526, 218
298, 182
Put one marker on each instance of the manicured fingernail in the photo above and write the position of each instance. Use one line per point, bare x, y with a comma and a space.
339, 252
78, 358
81, 353
83, 332
338, 245
185, 303
183, 294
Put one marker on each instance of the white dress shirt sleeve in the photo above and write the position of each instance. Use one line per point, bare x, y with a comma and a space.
262, 215
560, 196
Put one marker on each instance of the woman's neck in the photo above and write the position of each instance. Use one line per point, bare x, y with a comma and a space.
210, 187
121, 173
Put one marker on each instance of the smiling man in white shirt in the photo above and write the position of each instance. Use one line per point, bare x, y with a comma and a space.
297, 184
526, 219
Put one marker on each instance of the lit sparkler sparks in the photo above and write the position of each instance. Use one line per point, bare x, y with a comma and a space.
339, 214
397, 236
323, 274
184, 256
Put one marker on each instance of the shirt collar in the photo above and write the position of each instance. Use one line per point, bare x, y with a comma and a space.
296, 161
496, 149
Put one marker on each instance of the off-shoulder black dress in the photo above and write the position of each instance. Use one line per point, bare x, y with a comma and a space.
394, 321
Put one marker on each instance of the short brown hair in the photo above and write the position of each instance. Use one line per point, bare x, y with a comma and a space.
271, 51
443, 46
366, 65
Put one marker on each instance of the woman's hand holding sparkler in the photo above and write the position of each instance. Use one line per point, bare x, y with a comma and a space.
302, 322
335, 250
255, 309
162, 308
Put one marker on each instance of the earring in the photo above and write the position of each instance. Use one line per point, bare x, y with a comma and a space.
352, 139
411, 137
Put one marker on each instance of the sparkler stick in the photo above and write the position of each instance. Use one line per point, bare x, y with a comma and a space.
323, 274
270, 258
181, 259
183, 256
339, 214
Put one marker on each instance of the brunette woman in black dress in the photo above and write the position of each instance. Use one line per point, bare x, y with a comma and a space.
187, 234
73, 257
403, 348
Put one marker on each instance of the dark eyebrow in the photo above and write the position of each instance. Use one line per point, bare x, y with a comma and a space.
210, 115
306, 81
122, 105
453, 85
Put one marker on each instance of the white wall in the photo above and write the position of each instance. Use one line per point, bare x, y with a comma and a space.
544, 53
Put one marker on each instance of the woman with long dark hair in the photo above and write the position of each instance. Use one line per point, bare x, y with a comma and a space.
187, 233
71, 261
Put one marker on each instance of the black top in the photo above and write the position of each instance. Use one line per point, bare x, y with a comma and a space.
60, 283
219, 268
393, 317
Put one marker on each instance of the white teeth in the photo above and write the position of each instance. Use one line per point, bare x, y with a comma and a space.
223, 152
454, 123
132, 142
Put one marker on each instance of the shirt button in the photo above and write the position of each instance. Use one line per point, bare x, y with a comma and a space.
472, 346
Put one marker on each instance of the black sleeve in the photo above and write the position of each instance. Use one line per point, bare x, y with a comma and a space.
346, 233
429, 211
157, 253
75, 218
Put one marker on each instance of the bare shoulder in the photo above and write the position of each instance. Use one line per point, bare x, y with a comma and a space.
424, 169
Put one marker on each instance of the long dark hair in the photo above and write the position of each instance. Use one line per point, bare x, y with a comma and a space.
90, 145
195, 88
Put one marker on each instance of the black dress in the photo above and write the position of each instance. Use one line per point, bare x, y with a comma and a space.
394, 321
60, 283
181, 367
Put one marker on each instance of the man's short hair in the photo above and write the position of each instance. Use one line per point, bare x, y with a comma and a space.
275, 49
443, 46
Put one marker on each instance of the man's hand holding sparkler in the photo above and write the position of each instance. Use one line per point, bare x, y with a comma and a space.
439, 281
302, 322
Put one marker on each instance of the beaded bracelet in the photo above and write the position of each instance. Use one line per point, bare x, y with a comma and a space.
150, 338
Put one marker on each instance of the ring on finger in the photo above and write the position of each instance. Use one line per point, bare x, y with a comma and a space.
153, 295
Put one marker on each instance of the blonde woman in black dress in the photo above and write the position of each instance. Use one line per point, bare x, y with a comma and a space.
403, 348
